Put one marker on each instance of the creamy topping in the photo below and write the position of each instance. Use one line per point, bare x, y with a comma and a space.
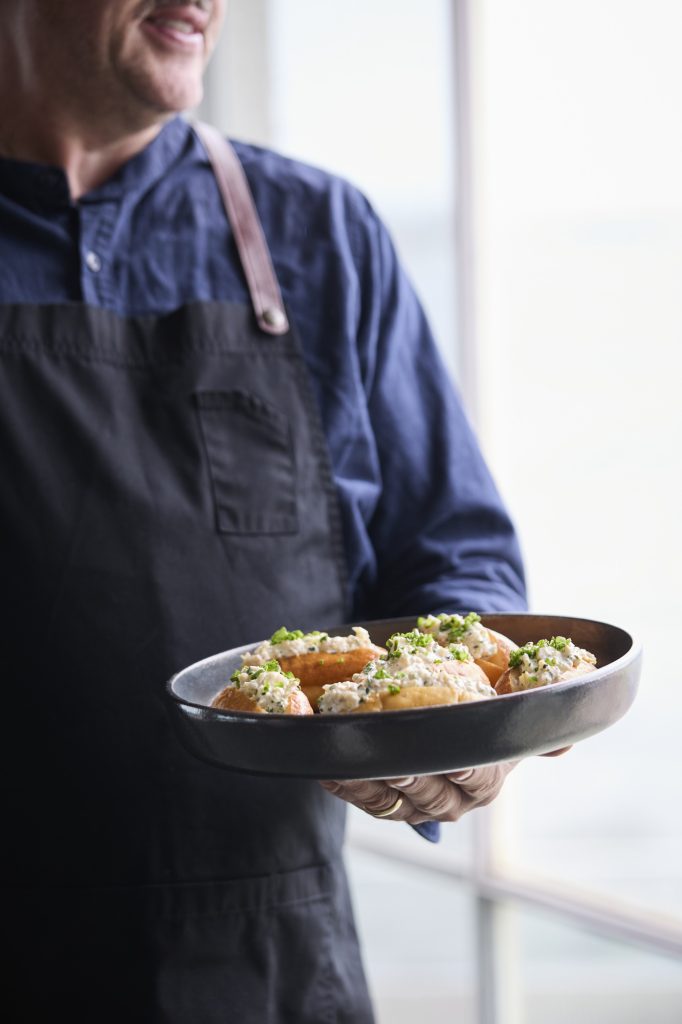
415, 645
267, 685
544, 662
412, 659
461, 629
286, 643
340, 698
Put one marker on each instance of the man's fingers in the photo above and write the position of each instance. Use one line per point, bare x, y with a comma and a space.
417, 798
484, 783
434, 796
360, 790
373, 796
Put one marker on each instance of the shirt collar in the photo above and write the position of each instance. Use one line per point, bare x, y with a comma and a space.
45, 187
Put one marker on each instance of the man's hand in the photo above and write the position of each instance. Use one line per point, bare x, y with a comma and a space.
419, 798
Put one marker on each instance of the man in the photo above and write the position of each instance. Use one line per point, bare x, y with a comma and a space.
206, 432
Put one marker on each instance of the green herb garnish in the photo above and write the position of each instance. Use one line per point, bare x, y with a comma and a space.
415, 639
456, 626
460, 652
559, 643
283, 634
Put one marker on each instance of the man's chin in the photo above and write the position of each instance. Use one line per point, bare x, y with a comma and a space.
172, 94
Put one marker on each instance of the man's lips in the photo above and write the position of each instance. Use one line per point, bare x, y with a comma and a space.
180, 25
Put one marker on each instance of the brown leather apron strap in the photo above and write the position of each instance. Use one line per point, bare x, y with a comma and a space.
252, 247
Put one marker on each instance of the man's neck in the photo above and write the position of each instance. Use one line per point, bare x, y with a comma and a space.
87, 159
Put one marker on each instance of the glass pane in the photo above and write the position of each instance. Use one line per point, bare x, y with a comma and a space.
363, 88
456, 842
590, 820
580, 227
417, 934
567, 975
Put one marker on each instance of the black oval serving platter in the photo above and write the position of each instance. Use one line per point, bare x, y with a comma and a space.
420, 741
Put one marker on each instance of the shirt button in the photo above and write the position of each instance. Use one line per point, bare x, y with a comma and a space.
93, 262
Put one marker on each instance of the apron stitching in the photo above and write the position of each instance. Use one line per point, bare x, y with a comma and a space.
246, 911
334, 512
20, 346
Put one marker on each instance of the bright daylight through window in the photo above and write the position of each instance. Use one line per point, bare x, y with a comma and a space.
567, 136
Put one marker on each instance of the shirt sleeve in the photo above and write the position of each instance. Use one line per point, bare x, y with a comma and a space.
442, 537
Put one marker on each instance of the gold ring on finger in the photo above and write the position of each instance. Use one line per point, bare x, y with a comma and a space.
390, 810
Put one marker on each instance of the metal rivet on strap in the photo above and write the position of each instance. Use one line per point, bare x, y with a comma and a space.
274, 317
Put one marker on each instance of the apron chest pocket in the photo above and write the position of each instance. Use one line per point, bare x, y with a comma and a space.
251, 459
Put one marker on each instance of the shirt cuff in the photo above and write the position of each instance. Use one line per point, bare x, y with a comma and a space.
429, 830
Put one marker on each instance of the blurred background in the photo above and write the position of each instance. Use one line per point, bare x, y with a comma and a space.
527, 158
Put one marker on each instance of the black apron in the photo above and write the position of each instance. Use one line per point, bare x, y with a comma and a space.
167, 494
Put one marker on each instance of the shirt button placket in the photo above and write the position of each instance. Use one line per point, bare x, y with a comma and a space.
97, 224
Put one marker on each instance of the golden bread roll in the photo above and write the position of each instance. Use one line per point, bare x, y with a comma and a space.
232, 699
410, 697
415, 672
317, 669
263, 689
315, 658
488, 648
495, 664
543, 663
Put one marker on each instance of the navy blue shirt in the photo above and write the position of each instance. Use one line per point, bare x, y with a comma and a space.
424, 526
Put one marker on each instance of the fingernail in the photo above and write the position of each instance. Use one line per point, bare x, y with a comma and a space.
401, 783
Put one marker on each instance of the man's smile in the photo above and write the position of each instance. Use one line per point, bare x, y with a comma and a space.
180, 26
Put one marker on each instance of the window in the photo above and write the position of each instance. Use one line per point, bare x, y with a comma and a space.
526, 158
